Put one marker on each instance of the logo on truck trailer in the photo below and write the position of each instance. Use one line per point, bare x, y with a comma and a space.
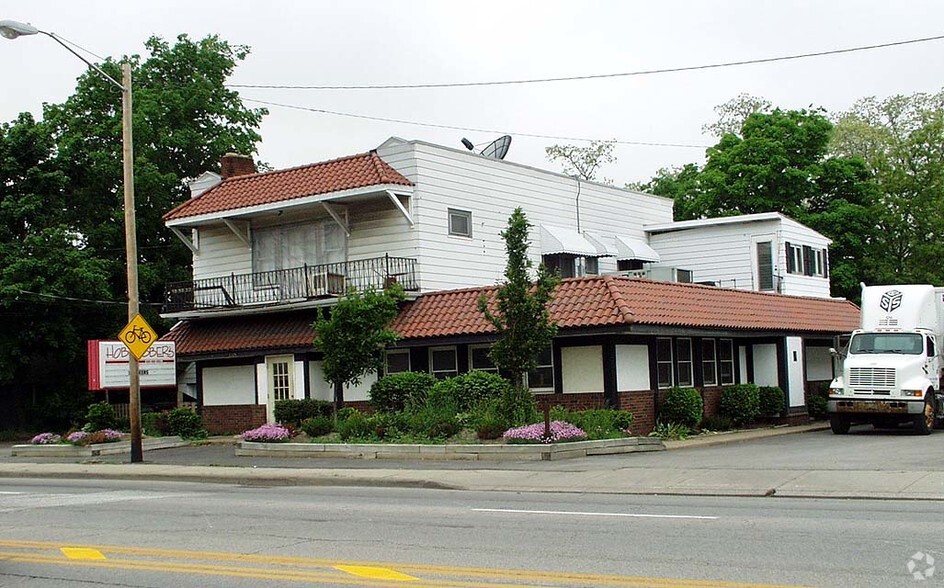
890, 300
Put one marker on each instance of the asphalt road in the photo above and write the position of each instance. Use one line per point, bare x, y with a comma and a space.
56, 533
863, 449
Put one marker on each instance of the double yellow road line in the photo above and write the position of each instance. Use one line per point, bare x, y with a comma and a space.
312, 570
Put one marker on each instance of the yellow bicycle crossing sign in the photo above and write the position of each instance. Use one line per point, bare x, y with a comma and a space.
137, 336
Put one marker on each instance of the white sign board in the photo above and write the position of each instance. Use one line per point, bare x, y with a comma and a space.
108, 365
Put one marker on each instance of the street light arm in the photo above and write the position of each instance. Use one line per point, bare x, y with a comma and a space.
87, 62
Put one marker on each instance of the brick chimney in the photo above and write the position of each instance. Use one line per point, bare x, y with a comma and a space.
234, 164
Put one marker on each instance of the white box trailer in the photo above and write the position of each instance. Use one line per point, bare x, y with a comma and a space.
892, 370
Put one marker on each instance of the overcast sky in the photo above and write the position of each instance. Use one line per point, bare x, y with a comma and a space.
411, 42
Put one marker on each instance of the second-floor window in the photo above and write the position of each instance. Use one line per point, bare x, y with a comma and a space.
460, 223
806, 260
296, 245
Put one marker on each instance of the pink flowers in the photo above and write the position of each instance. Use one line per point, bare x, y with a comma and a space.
560, 431
267, 433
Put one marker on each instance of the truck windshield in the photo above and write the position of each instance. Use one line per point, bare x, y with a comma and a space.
906, 343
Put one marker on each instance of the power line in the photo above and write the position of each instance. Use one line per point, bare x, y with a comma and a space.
594, 76
86, 300
470, 129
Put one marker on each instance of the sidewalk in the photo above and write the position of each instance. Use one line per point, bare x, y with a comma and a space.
604, 475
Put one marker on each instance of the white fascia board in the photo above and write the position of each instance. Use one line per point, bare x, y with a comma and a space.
200, 219
708, 222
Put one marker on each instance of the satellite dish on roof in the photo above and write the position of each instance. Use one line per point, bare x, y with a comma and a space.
497, 149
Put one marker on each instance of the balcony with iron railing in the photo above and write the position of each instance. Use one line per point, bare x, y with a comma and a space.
287, 286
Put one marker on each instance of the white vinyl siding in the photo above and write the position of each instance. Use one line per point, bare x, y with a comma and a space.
221, 254
726, 254
722, 254
491, 189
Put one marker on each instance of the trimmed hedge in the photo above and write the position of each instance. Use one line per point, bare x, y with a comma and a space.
771, 401
397, 391
682, 406
294, 412
740, 403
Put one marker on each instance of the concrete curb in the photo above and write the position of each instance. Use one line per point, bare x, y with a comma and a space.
79, 451
749, 435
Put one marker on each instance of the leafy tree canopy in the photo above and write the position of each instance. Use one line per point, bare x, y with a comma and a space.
355, 334
61, 204
901, 139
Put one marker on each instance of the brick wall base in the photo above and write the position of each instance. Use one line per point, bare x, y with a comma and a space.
643, 406
586, 401
233, 419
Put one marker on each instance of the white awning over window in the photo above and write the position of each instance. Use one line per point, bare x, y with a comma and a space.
560, 240
604, 247
630, 248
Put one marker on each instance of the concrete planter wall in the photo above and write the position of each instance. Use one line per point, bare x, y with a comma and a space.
536, 452
94, 450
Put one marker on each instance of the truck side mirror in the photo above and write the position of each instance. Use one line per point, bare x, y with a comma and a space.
833, 352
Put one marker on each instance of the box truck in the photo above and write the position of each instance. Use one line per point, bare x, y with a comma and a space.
892, 369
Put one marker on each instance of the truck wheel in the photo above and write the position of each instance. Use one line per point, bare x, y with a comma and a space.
839, 424
924, 422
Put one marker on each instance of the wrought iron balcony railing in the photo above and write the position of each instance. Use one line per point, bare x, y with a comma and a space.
296, 284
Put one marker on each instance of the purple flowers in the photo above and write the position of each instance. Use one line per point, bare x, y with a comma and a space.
267, 433
560, 431
77, 438
111, 435
46, 439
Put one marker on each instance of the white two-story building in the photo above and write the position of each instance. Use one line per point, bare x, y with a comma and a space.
270, 249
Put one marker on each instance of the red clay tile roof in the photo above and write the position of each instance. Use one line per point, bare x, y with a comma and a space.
243, 333
578, 303
347, 173
612, 300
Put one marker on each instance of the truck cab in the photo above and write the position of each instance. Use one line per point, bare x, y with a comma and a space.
891, 372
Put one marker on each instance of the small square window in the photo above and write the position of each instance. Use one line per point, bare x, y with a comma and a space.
479, 359
442, 362
460, 223
397, 361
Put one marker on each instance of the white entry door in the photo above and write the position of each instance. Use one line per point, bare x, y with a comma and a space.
280, 381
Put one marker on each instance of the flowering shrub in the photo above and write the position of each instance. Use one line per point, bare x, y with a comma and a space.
78, 438
46, 439
560, 431
267, 433
111, 435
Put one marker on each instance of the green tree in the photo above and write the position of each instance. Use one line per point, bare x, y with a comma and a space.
583, 162
61, 205
901, 138
680, 184
519, 312
780, 162
352, 338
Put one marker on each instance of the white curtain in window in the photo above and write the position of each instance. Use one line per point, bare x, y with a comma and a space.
297, 245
